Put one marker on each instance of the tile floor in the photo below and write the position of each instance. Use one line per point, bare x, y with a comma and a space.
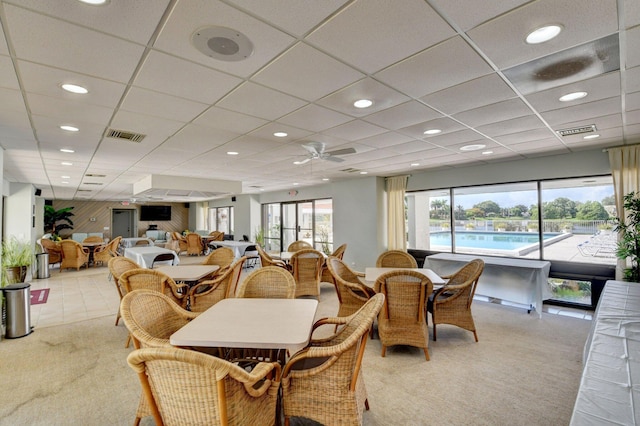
89, 293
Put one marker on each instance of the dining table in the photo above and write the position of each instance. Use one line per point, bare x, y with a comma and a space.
244, 323
92, 248
188, 274
144, 256
238, 247
132, 241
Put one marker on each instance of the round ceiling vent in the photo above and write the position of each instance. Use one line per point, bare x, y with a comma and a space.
222, 43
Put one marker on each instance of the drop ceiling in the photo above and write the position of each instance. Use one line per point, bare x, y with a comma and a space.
445, 64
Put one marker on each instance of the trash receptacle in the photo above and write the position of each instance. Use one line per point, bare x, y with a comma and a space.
18, 307
42, 263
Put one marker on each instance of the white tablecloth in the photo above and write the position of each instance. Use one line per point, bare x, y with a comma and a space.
521, 281
238, 247
144, 256
131, 242
609, 390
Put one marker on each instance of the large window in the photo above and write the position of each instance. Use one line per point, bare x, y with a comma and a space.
221, 219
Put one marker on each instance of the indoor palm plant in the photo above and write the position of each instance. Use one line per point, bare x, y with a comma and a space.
629, 236
17, 256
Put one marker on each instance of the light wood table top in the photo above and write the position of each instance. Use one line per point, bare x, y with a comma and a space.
251, 323
188, 273
372, 274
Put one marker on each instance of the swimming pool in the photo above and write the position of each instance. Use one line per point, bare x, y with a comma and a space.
498, 241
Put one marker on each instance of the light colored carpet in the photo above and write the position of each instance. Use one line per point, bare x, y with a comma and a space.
524, 370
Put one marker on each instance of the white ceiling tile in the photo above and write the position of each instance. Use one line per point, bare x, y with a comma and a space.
633, 79
503, 38
267, 132
32, 34
514, 125
260, 101
467, 17
161, 105
168, 74
382, 97
633, 47
524, 137
584, 111
447, 139
449, 63
445, 124
219, 118
367, 33
195, 140
7, 74
385, 140
190, 16
67, 111
403, 115
315, 118
354, 130
499, 111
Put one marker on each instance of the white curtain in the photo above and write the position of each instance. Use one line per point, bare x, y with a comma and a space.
625, 169
396, 230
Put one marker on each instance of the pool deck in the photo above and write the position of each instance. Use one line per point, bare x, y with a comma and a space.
567, 250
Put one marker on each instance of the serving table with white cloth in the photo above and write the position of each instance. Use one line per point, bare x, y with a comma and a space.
251, 323
238, 247
609, 390
131, 242
522, 281
144, 256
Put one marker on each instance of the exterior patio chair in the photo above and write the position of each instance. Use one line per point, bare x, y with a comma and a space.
402, 318
185, 387
324, 382
396, 259
451, 304
73, 255
152, 279
268, 282
209, 292
299, 245
306, 266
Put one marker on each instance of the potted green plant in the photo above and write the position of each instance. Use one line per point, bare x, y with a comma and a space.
17, 256
258, 237
628, 228
57, 220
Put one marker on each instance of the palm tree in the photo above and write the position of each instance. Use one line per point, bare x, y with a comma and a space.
53, 216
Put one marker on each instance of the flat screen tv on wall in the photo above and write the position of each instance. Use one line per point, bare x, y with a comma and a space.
155, 213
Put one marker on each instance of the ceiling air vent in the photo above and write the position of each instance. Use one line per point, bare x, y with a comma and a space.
123, 134
350, 170
84, 190
94, 175
577, 130
92, 183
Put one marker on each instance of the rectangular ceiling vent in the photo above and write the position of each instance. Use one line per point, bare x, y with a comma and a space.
95, 175
577, 130
84, 190
92, 183
350, 170
123, 134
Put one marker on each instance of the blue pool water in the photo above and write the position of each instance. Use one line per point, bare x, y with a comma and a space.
488, 240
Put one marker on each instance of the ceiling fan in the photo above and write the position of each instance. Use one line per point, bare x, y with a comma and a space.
317, 152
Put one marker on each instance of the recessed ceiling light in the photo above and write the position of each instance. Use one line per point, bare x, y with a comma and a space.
363, 103
487, 152
591, 136
543, 34
69, 128
432, 131
74, 88
295, 184
66, 163
572, 96
325, 179
415, 164
64, 181
261, 189
65, 177
70, 151
363, 173
474, 147
95, 2
232, 153
280, 134
298, 162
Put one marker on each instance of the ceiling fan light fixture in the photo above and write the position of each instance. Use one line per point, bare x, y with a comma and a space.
232, 153
363, 103
280, 134
543, 34
67, 150
473, 147
432, 131
74, 88
69, 128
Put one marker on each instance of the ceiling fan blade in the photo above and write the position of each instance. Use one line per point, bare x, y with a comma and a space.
314, 148
334, 159
342, 151
305, 161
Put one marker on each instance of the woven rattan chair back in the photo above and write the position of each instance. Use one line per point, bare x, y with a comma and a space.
451, 304
299, 245
150, 279
209, 292
396, 259
53, 249
216, 236
402, 320
334, 392
222, 256
270, 282
266, 260
191, 388
194, 244
307, 266
352, 293
117, 266
73, 255
93, 239
326, 275
102, 255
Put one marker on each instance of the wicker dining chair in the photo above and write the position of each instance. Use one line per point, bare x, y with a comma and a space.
93, 239
181, 241
73, 255
117, 266
153, 279
451, 304
195, 247
270, 282
185, 387
396, 259
266, 260
402, 318
103, 254
324, 382
151, 319
299, 245
216, 236
352, 293
209, 292
306, 266
222, 256
53, 249
326, 276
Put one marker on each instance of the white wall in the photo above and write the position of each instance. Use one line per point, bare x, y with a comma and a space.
19, 213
